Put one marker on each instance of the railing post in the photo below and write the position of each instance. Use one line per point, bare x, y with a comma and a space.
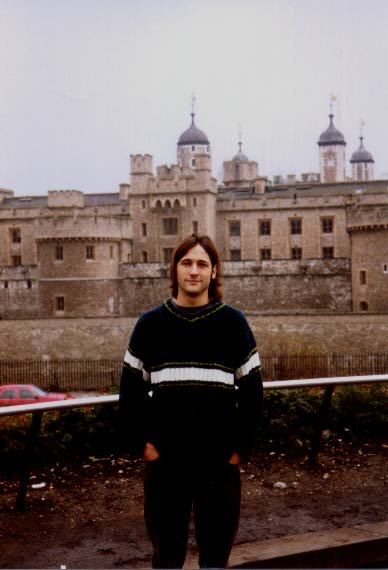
32, 437
323, 419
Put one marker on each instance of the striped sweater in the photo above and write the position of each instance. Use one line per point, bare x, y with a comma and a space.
191, 383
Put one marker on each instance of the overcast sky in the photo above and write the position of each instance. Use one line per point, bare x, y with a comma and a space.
86, 83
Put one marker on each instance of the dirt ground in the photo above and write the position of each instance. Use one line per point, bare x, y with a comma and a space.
91, 515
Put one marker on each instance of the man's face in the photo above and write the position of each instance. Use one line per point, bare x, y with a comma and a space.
194, 273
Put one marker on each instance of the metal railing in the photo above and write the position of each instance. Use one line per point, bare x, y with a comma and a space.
38, 409
102, 374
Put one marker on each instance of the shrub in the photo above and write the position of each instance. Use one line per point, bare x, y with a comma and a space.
288, 423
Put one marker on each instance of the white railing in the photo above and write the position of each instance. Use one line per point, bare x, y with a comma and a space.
273, 385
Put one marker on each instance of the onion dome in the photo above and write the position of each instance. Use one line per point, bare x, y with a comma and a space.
331, 135
361, 154
193, 135
240, 156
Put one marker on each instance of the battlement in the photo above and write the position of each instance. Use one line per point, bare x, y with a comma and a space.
65, 199
141, 164
170, 172
5, 194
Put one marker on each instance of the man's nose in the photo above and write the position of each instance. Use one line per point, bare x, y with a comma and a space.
194, 269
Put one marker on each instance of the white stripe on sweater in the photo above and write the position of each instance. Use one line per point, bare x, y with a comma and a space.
247, 367
136, 363
193, 374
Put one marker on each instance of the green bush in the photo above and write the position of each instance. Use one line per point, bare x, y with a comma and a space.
288, 423
289, 420
361, 411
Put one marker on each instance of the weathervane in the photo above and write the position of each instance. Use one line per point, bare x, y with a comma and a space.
332, 99
192, 104
239, 137
362, 124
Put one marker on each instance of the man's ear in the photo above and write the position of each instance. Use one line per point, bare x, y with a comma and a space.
214, 271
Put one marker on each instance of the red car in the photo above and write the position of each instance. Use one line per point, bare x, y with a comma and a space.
15, 394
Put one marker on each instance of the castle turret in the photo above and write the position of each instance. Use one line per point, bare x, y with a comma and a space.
141, 172
362, 163
192, 144
240, 172
332, 154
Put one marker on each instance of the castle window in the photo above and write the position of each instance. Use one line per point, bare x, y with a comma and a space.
16, 235
327, 225
193, 147
265, 227
143, 204
144, 229
364, 306
385, 268
295, 226
59, 303
195, 227
29, 284
193, 162
170, 226
265, 254
90, 253
235, 254
328, 252
296, 253
5, 284
177, 204
363, 277
16, 260
234, 228
144, 255
59, 252
167, 254
194, 202
111, 252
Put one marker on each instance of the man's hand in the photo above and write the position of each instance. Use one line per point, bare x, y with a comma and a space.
235, 459
150, 453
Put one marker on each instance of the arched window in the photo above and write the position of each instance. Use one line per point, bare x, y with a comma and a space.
177, 204
158, 204
167, 204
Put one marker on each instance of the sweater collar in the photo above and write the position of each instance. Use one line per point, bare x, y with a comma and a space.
193, 313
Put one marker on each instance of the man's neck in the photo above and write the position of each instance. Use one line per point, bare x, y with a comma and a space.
195, 301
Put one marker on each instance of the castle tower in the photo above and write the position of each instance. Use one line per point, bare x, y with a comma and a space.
362, 162
194, 148
240, 172
332, 161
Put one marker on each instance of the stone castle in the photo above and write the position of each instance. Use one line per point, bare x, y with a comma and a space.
318, 244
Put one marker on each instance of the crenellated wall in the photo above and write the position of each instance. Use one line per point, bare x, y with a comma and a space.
99, 338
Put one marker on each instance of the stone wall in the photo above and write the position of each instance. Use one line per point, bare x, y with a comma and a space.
268, 287
97, 338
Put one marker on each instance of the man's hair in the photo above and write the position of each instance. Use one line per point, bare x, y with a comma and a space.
215, 293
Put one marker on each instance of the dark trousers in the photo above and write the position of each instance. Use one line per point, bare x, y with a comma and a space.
171, 490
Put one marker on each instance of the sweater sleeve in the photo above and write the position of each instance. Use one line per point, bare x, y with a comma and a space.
249, 393
134, 400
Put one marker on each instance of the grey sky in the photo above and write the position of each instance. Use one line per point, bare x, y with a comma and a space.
86, 83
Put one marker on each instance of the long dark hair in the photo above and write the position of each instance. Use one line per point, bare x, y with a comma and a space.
215, 293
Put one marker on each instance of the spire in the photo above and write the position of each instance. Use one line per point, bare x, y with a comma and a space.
192, 109
331, 135
361, 154
193, 135
240, 156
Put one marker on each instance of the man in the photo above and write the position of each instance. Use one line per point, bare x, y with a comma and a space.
190, 399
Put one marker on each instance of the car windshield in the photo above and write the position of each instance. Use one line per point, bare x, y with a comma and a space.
39, 392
